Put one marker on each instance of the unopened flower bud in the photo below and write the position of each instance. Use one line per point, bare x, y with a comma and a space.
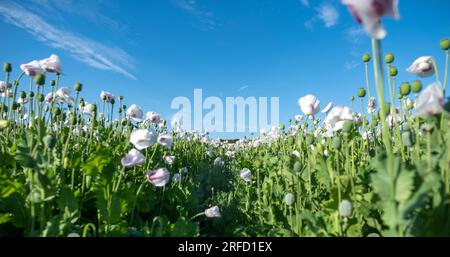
52, 83
347, 126
336, 143
121, 97
40, 97
49, 141
352, 98
408, 138
289, 199
23, 94
31, 94
345, 208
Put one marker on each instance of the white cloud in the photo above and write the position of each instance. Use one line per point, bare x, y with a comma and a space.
355, 34
327, 14
351, 65
243, 88
83, 49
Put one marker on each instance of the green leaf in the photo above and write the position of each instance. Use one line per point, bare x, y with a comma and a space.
185, 228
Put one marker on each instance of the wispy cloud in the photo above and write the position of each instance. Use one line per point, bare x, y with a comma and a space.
83, 49
304, 2
325, 13
351, 65
193, 8
355, 34
243, 88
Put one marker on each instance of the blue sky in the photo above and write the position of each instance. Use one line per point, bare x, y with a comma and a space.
154, 51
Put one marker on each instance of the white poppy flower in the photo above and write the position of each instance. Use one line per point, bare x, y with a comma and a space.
32, 68
213, 212
135, 113
246, 175
133, 158
422, 66
430, 101
153, 117
309, 105
159, 177
142, 138
165, 140
51, 64
336, 118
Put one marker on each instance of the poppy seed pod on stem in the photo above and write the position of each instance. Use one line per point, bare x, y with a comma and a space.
347, 126
78, 87
52, 83
49, 141
405, 89
23, 94
40, 79
393, 71
389, 58
408, 138
40, 97
416, 86
352, 98
366, 57
361, 92
7, 67
445, 44
336, 143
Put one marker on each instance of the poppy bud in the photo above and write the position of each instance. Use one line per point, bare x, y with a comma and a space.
7, 67
40, 98
352, 98
56, 111
408, 138
297, 167
31, 94
78, 87
14, 106
347, 126
366, 57
112, 101
389, 58
49, 141
289, 199
52, 83
4, 124
361, 92
386, 108
416, 86
121, 98
336, 143
345, 208
405, 89
40, 79
399, 96
66, 163
119, 110
23, 94
393, 71
445, 44
94, 108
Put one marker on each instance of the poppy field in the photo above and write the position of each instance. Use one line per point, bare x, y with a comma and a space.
71, 166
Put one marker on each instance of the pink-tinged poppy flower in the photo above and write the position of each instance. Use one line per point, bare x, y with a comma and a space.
168, 159
153, 117
371, 105
309, 105
213, 212
106, 96
246, 175
430, 101
133, 158
51, 64
165, 140
422, 66
336, 118
369, 14
327, 108
142, 138
135, 113
32, 68
159, 177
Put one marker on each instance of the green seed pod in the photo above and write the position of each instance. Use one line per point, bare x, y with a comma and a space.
66, 163
124, 122
416, 86
56, 111
52, 83
347, 126
289, 199
352, 98
23, 94
41, 97
387, 108
112, 101
119, 110
121, 97
282, 127
408, 138
7, 67
94, 108
389, 58
4, 107
14, 106
336, 143
361, 92
405, 89
345, 208
31, 94
4, 124
393, 71
49, 141
78, 87
366, 57
297, 167
40, 79
309, 140
399, 96
445, 44
124, 107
